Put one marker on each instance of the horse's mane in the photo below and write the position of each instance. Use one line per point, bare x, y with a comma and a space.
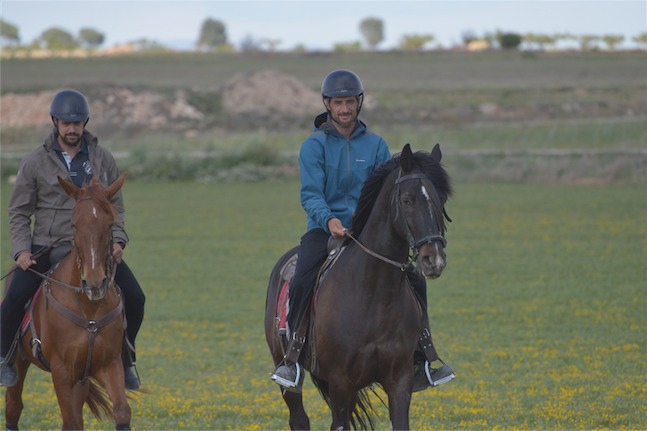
371, 189
95, 190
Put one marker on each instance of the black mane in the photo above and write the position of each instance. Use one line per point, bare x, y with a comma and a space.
371, 189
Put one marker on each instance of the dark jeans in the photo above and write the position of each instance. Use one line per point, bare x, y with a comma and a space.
312, 254
25, 284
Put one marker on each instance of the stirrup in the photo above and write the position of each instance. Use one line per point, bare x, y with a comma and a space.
288, 384
443, 374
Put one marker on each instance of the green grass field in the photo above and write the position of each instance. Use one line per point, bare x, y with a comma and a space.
541, 311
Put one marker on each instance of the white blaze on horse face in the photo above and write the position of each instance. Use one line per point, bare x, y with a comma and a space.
426, 195
424, 192
93, 257
94, 212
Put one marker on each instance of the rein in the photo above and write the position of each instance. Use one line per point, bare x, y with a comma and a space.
51, 280
401, 266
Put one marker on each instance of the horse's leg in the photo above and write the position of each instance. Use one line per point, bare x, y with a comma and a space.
13, 397
299, 419
71, 396
112, 379
342, 403
399, 394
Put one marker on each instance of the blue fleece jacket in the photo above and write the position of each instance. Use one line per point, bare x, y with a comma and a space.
333, 170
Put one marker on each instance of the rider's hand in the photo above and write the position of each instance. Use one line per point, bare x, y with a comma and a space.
24, 260
337, 230
117, 252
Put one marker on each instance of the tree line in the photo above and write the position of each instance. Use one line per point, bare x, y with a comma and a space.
213, 37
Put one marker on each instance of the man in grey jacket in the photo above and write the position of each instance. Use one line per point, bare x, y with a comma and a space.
73, 153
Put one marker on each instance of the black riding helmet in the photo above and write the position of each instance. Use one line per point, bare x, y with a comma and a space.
70, 106
341, 83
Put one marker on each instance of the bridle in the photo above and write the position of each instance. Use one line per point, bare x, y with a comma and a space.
414, 246
111, 267
429, 239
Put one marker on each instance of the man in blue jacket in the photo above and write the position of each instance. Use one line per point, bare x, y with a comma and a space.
335, 161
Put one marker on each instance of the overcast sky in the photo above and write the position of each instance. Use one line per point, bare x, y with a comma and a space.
322, 24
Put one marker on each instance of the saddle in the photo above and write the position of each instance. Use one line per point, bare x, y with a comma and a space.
56, 255
335, 248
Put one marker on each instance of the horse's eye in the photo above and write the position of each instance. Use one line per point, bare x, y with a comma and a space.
407, 201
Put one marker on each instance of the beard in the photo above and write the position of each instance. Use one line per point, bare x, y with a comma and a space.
347, 121
71, 139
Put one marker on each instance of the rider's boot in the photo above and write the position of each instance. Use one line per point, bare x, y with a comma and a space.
424, 375
289, 373
131, 375
8, 374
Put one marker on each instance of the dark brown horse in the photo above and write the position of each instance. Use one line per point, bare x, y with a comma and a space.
77, 320
366, 319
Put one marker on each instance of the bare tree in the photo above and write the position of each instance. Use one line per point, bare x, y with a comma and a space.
271, 43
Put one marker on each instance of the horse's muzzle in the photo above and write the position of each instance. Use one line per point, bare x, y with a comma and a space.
95, 291
432, 260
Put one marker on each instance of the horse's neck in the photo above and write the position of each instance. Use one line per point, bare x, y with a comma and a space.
379, 233
67, 270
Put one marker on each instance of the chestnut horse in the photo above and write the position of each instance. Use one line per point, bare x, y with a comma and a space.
77, 319
365, 321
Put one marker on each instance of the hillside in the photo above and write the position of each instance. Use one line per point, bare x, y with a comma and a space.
490, 101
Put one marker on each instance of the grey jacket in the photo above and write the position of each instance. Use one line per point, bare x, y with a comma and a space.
38, 194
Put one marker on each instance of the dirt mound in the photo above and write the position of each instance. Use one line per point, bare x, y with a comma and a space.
115, 106
248, 100
25, 110
269, 91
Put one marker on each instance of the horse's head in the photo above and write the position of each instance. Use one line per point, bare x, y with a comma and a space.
421, 190
92, 220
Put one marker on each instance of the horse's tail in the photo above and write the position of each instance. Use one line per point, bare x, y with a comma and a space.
363, 415
98, 400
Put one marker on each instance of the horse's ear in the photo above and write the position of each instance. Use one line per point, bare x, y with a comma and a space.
69, 188
406, 158
436, 155
113, 188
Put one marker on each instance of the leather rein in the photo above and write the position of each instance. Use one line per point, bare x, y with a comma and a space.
414, 246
